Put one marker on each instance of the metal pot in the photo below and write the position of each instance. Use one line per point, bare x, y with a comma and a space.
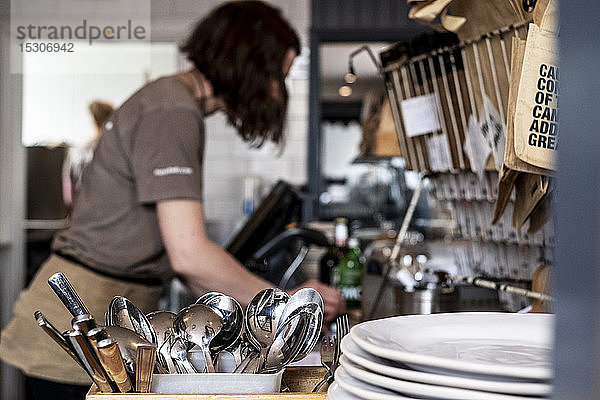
426, 300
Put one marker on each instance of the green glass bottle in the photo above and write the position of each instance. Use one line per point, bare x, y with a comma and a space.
350, 271
330, 260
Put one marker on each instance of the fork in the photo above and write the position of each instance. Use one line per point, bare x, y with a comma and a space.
328, 350
342, 328
328, 353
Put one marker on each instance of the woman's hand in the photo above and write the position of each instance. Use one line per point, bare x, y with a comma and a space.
332, 298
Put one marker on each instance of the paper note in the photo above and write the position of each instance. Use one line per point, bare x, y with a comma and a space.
420, 115
439, 153
493, 130
476, 148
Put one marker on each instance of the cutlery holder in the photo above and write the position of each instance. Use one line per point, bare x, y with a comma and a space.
300, 381
216, 383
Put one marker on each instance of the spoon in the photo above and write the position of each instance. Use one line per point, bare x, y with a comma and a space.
241, 350
196, 357
225, 362
302, 298
128, 342
178, 352
199, 324
295, 336
231, 314
123, 313
262, 318
162, 324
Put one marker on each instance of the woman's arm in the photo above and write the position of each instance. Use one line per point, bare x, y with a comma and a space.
201, 263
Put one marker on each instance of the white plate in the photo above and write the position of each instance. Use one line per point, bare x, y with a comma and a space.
390, 368
363, 390
421, 389
335, 392
512, 345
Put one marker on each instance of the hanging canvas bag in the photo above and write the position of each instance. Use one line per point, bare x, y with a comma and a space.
536, 124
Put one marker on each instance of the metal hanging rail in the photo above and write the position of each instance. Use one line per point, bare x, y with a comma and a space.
466, 79
460, 45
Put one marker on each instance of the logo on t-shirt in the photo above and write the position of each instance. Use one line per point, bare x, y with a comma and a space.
172, 171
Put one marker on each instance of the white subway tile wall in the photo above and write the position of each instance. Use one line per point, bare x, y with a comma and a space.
228, 159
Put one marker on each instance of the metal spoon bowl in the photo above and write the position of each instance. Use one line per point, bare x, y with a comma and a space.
123, 313
128, 342
310, 301
296, 336
315, 323
162, 324
263, 315
301, 297
199, 324
262, 319
231, 314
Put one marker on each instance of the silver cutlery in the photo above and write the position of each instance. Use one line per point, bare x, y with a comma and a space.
303, 298
232, 315
67, 294
91, 362
122, 356
146, 358
294, 335
112, 362
83, 323
123, 313
57, 336
128, 342
199, 325
162, 323
178, 352
327, 358
342, 329
262, 320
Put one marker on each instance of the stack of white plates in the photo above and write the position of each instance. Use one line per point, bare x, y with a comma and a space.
467, 356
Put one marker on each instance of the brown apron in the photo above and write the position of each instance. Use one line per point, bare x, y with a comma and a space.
24, 344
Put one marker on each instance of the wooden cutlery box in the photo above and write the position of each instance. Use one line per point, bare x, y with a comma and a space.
300, 381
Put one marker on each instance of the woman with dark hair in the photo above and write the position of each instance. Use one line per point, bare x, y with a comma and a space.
244, 65
138, 219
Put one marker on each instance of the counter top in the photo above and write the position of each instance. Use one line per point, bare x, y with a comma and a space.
92, 395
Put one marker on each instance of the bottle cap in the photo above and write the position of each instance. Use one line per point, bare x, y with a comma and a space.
341, 233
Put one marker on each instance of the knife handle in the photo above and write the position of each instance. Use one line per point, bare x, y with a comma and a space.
144, 367
65, 292
92, 365
112, 361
